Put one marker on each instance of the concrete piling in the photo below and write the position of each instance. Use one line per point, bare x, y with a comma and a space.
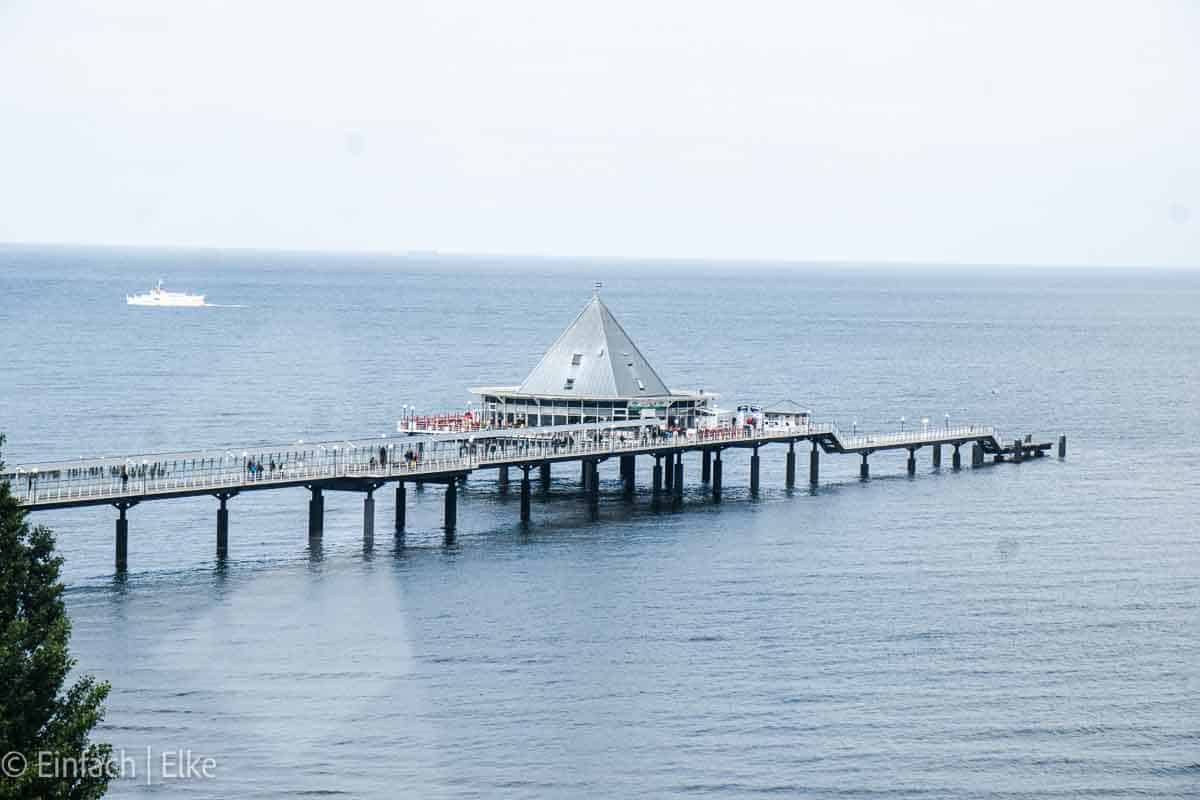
976, 455
545, 476
706, 466
316, 513
369, 520
937, 456
1062, 446
956, 458
401, 506
656, 481
814, 466
790, 480
912, 461
629, 473
503, 480
754, 472
122, 538
525, 494
864, 470
677, 484
716, 476
451, 510
223, 526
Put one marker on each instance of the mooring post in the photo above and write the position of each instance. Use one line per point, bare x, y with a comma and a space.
912, 461
629, 468
525, 493
716, 475
401, 506
122, 540
814, 465
656, 482
223, 525
1062, 446
451, 512
545, 475
503, 480
754, 471
369, 520
316, 513
791, 465
956, 458
864, 471
706, 466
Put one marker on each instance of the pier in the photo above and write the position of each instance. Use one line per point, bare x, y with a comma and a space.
366, 467
592, 397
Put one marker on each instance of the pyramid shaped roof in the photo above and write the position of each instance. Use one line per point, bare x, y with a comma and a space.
594, 357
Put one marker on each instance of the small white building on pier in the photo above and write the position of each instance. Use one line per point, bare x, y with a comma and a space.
592, 373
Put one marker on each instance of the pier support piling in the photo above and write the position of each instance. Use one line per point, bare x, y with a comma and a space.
814, 466
716, 476
545, 476
912, 461
451, 511
657, 479
677, 486
791, 466
503, 480
223, 525
316, 513
369, 520
1018, 451
1062, 446
754, 472
956, 458
629, 473
401, 507
976, 455
592, 467
864, 471
585, 474
937, 456
121, 561
706, 466
669, 474
525, 494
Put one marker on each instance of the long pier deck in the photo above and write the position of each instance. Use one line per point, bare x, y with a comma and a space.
448, 457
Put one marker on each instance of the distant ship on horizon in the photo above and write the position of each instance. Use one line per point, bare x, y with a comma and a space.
158, 296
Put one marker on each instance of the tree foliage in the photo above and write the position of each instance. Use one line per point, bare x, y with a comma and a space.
41, 721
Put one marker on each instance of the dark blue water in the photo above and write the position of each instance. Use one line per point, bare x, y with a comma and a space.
1019, 631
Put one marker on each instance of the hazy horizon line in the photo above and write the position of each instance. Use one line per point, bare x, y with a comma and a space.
664, 260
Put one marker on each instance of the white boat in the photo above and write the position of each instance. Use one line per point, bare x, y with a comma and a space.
158, 296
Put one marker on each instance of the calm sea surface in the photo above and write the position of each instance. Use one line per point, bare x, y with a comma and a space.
1025, 630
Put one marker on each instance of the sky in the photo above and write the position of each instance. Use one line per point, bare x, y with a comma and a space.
1014, 132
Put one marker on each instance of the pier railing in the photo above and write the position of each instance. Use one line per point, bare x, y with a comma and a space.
145, 477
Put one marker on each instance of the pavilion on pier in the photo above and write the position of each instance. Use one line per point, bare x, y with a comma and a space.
593, 373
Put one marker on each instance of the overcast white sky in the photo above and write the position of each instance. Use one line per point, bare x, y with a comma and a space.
1051, 132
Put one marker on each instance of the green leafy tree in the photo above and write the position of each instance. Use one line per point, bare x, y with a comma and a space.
45, 749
